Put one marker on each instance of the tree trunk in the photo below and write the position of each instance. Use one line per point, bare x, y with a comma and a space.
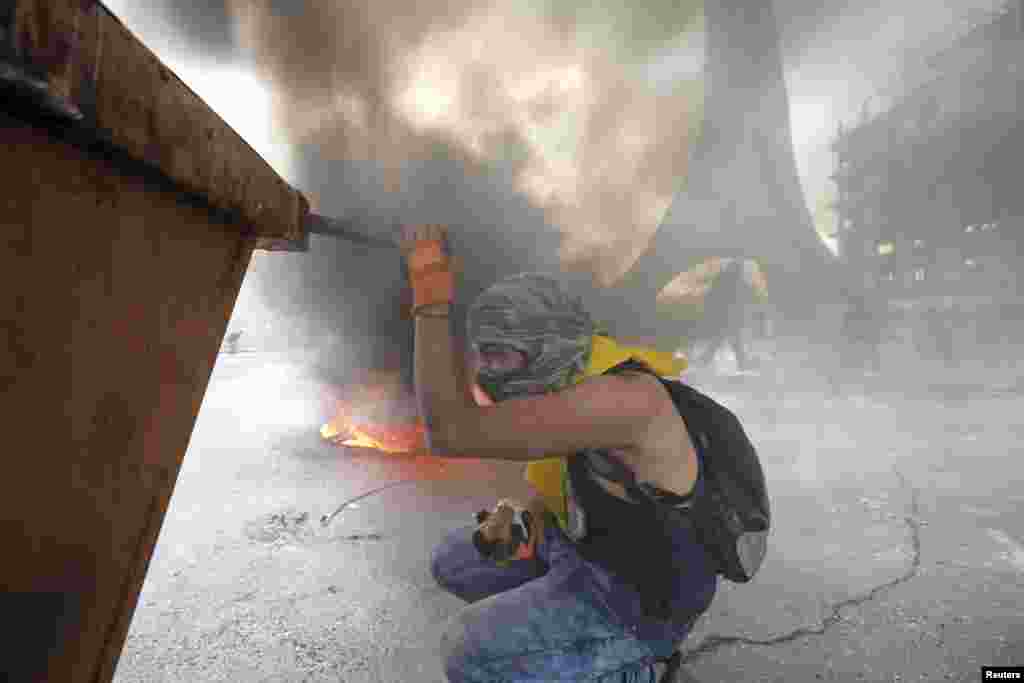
742, 195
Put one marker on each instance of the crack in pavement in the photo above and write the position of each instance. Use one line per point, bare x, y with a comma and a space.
715, 642
362, 537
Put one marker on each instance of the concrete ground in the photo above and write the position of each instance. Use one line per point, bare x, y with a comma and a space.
896, 552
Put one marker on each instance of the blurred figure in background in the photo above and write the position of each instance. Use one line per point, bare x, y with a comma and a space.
939, 328
725, 310
859, 350
862, 332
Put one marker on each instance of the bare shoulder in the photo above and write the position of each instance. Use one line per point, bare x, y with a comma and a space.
659, 401
667, 458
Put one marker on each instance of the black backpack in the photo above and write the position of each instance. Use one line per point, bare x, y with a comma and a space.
731, 516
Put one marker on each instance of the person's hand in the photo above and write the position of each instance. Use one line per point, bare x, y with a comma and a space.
431, 270
495, 524
412, 235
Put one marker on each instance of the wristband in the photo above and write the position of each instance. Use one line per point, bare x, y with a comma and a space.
420, 312
437, 287
426, 255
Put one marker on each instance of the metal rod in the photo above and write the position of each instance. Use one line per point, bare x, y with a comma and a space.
345, 229
326, 519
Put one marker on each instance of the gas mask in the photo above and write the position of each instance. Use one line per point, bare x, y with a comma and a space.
519, 535
500, 385
491, 384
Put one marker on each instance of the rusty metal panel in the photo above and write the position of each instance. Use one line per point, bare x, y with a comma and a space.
116, 296
77, 60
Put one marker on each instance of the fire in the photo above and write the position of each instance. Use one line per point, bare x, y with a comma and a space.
377, 415
371, 417
389, 437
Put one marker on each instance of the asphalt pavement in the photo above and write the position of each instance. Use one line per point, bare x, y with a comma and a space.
897, 551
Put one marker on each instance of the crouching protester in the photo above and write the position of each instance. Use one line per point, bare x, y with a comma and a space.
596, 578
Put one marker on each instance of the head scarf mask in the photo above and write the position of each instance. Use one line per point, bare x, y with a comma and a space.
531, 313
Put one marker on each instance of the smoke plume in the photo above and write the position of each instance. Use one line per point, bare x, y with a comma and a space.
552, 99
549, 134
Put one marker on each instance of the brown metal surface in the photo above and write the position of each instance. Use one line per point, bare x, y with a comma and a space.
117, 295
87, 60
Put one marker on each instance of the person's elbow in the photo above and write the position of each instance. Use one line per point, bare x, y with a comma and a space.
441, 438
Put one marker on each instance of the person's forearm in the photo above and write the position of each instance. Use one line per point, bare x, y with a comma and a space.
437, 375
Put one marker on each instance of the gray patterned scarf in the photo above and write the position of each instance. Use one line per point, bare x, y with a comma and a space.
532, 313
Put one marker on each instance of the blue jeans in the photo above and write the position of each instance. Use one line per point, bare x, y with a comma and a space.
532, 623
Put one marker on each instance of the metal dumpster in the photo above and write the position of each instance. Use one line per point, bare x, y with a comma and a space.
129, 214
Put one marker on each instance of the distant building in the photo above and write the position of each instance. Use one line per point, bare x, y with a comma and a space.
930, 198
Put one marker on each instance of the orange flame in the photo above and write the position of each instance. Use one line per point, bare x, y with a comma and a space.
365, 419
387, 437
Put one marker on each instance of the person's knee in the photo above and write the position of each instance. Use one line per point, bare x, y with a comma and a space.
459, 656
445, 556
438, 565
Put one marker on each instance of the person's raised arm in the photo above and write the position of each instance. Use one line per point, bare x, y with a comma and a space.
601, 412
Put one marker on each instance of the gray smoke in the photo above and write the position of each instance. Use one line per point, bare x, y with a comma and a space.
338, 71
